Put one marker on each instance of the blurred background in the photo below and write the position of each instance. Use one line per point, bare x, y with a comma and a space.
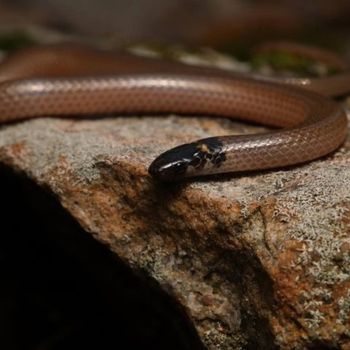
219, 23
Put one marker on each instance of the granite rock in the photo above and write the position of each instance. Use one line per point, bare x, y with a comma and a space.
257, 259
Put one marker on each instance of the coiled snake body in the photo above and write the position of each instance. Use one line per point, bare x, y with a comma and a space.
70, 80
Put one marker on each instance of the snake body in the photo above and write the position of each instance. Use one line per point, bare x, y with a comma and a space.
80, 81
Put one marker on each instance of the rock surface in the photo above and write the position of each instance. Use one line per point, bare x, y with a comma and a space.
257, 260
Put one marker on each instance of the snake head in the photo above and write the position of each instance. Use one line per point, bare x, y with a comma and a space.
188, 160
172, 165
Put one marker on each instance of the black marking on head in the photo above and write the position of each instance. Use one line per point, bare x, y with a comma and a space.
219, 159
173, 165
211, 150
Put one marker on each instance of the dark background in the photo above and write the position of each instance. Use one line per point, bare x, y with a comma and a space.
196, 22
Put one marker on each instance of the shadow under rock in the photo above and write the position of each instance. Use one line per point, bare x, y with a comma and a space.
61, 289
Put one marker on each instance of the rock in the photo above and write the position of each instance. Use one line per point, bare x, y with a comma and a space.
256, 260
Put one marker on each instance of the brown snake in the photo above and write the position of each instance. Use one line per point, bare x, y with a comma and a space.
67, 80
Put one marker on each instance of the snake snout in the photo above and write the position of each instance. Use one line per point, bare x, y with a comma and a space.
173, 164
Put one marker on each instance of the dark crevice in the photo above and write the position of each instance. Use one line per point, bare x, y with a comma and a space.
255, 290
61, 289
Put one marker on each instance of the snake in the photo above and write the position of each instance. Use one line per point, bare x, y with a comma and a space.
67, 80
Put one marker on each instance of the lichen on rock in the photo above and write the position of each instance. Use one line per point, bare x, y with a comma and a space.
255, 259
